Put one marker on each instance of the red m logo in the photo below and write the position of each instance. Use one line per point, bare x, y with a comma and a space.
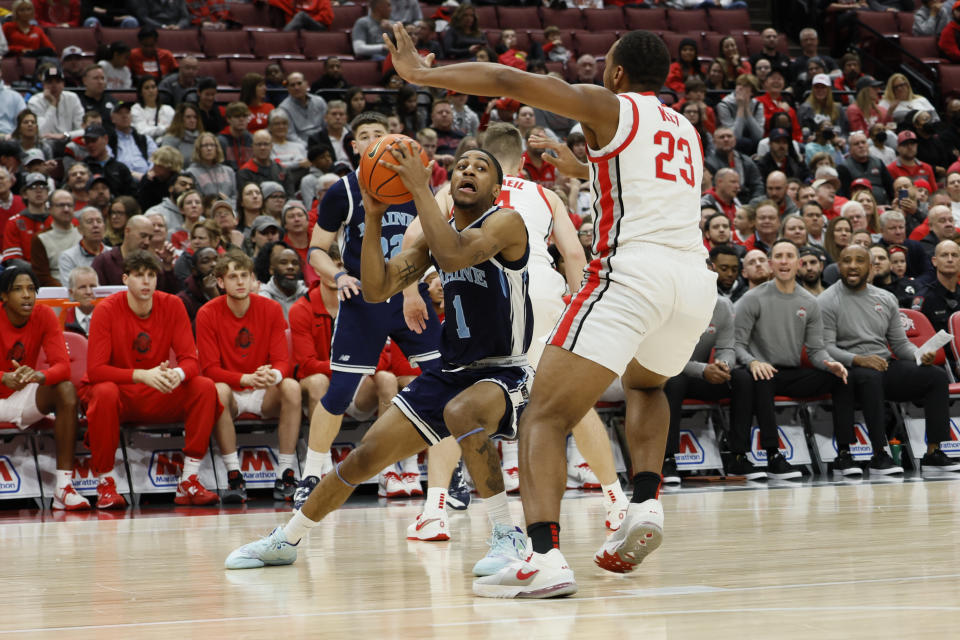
81, 468
861, 434
339, 452
257, 459
169, 465
5, 471
687, 444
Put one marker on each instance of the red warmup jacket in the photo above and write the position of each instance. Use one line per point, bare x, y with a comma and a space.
120, 341
230, 346
311, 331
18, 235
32, 40
769, 108
319, 10
23, 344
950, 41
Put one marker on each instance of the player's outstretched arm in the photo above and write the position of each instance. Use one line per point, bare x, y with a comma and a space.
594, 106
381, 279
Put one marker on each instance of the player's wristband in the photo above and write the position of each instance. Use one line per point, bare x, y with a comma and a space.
337, 276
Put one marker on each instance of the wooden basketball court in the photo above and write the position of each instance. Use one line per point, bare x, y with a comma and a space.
817, 560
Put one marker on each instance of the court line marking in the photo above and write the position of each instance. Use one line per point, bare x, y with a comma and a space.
515, 603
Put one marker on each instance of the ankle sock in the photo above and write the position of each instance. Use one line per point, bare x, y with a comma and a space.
614, 492
646, 486
498, 511
231, 461
316, 461
544, 536
64, 478
287, 461
298, 527
436, 500
191, 466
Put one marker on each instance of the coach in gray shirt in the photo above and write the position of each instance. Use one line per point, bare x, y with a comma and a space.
859, 322
774, 322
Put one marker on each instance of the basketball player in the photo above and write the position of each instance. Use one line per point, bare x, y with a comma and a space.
646, 298
362, 327
243, 349
482, 256
28, 393
544, 214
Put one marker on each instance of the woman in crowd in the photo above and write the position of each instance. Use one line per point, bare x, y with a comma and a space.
212, 176
150, 118
687, 65
794, 228
290, 154
732, 62
695, 112
899, 100
866, 111
356, 103
462, 38
716, 83
23, 36
225, 217
253, 93
204, 234
837, 237
871, 211
250, 205
27, 133
823, 144
121, 209
190, 204
184, 129
820, 106
412, 116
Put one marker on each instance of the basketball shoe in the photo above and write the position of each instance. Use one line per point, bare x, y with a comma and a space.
410, 476
304, 489
640, 535
191, 492
429, 527
236, 491
541, 575
285, 486
669, 471
389, 484
458, 494
270, 550
107, 496
616, 509
507, 544
68, 499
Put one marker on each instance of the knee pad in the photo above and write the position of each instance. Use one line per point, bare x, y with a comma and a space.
340, 392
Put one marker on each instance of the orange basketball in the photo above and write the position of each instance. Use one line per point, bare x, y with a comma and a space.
381, 182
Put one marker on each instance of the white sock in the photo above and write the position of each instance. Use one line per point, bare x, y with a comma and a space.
64, 478
316, 460
191, 466
410, 465
231, 461
287, 461
436, 499
619, 496
298, 527
497, 509
509, 449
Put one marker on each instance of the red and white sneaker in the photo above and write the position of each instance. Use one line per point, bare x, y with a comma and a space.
107, 496
511, 480
616, 509
191, 492
539, 576
431, 527
389, 485
411, 483
68, 499
638, 537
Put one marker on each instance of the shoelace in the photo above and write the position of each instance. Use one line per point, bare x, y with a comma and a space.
506, 544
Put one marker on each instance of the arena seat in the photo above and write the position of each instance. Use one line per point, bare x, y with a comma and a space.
240, 67
182, 42
27, 66
672, 40
10, 68
227, 44
949, 80
76, 351
84, 37
688, 20
320, 44
486, 17
923, 47
919, 330
566, 37
115, 34
649, 19
711, 42
345, 15
596, 44
905, 21
607, 19
729, 20
755, 43
518, 17
362, 73
562, 18
215, 68
883, 21
252, 14
311, 69
276, 44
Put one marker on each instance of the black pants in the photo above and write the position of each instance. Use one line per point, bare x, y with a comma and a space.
802, 383
903, 381
739, 390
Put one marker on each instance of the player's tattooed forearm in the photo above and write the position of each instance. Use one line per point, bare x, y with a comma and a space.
407, 272
481, 256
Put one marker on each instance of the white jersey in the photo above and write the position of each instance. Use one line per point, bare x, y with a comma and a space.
530, 200
645, 184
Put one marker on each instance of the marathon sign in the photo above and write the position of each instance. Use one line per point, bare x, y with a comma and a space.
698, 447
18, 469
156, 462
791, 442
9, 478
917, 435
258, 459
860, 448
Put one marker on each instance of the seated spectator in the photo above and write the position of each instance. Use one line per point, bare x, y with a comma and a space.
776, 190
274, 198
236, 141
687, 66
11, 104
305, 112
464, 119
261, 165
223, 213
838, 236
250, 206
59, 113
332, 77
208, 14
805, 194
940, 226
767, 227
756, 269
810, 273
820, 106
23, 36
949, 40
716, 83
743, 113
310, 15
200, 286
150, 118
782, 157
774, 322
148, 59
731, 62
506, 50
211, 115
907, 163
163, 14
725, 261
20, 229
184, 129
810, 48
290, 153
29, 393
181, 86
725, 154
903, 288
773, 102
265, 231
794, 229
211, 176
58, 13
129, 146
158, 239
243, 349
413, 116
72, 65
128, 377
115, 67
296, 234
860, 164
555, 51
441, 121
812, 214
899, 100
99, 160
856, 214
931, 18
155, 185
253, 93
190, 204
335, 136
461, 39
91, 228
81, 283
712, 375
695, 91
10, 203
95, 96
695, 112
48, 245
168, 207
850, 72
286, 283
862, 339
938, 298
723, 195
27, 134
716, 232
136, 239
866, 111
778, 60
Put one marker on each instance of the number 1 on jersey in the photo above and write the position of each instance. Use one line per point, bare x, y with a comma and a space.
463, 331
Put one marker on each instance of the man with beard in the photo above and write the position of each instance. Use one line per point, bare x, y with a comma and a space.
286, 285
98, 194
811, 271
861, 326
201, 285
243, 349
756, 268
168, 206
726, 263
903, 289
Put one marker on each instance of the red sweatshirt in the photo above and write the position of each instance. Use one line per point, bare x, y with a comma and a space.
18, 235
950, 41
311, 329
230, 346
120, 341
19, 41
23, 345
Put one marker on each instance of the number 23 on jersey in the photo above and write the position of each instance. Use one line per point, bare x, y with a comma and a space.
676, 156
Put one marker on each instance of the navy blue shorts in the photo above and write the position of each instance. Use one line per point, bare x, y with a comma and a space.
423, 400
361, 330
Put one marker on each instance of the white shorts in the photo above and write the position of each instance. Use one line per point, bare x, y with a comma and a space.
652, 303
250, 401
20, 408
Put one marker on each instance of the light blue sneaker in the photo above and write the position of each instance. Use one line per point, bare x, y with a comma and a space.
507, 544
269, 550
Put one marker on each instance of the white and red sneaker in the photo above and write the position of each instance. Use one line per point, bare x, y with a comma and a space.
616, 509
191, 492
429, 527
511, 480
389, 485
68, 499
638, 537
545, 575
107, 496
411, 483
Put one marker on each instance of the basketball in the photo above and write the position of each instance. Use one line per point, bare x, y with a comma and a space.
380, 182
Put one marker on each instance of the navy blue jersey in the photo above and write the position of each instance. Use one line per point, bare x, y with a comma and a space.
341, 210
488, 312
